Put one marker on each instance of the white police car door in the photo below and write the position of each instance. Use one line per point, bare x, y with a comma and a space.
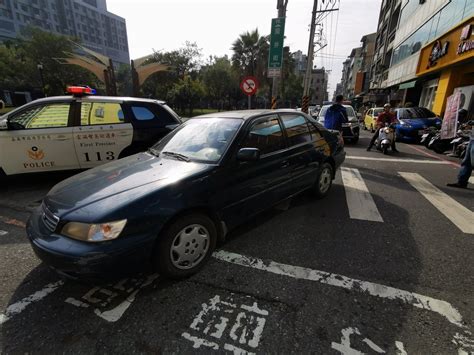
39, 139
102, 133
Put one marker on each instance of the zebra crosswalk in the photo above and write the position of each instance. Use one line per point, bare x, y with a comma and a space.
362, 206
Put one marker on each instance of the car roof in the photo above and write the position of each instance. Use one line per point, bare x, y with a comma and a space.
96, 98
245, 114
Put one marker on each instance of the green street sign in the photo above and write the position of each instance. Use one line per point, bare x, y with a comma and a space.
275, 54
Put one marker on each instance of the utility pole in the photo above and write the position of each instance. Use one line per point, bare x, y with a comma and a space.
281, 6
309, 64
321, 43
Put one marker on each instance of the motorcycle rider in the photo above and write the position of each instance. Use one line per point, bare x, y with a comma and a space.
384, 117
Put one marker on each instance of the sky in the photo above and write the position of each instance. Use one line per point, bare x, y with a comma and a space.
165, 25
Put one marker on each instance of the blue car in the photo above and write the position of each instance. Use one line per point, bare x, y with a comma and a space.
413, 122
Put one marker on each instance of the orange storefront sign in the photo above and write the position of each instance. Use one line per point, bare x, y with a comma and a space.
455, 46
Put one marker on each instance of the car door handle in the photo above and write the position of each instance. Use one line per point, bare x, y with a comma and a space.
285, 164
61, 138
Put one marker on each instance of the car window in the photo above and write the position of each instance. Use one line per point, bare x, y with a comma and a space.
95, 113
296, 129
142, 113
377, 111
265, 135
42, 116
202, 139
350, 111
415, 112
323, 111
314, 131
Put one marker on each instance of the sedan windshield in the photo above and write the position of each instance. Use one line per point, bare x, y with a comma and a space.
200, 139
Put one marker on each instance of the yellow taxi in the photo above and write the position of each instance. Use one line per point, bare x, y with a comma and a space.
371, 118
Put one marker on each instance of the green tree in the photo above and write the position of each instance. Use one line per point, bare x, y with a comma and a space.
251, 57
220, 80
184, 61
43, 47
186, 93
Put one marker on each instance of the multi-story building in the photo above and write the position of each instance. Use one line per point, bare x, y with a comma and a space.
300, 61
367, 54
319, 78
88, 20
405, 27
319, 86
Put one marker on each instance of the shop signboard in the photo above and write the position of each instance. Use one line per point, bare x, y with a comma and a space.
453, 47
449, 126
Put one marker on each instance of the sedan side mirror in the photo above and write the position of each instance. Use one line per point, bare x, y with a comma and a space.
248, 154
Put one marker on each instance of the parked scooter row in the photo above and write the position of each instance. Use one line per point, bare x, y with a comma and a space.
454, 146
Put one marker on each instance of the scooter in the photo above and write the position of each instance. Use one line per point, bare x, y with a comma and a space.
430, 132
385, 138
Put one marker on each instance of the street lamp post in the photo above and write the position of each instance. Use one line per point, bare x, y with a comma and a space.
40, 69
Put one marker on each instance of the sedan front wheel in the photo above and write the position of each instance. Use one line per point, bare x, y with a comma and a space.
185, 246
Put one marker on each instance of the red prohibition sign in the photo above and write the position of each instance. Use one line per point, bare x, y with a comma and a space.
249, 85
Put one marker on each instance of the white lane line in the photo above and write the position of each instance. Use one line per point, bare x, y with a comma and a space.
471, 180
424, 302
20, 306
398, 160
359, 200
3, 233
458, 214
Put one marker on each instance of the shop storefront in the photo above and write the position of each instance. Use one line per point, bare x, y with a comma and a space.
446, 65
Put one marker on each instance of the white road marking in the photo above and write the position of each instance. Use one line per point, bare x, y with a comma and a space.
359, 200
3, 233
20, 306
443, 308
400, 348
95, 297
471, 180
345, 347
458, 214
243, 324
398, 160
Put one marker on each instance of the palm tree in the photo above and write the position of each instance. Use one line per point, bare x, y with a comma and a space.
251, 54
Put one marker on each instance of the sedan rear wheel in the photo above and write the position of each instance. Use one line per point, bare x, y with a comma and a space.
324, 180
185, 246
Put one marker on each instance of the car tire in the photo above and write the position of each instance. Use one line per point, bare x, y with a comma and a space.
192, 236
323, 181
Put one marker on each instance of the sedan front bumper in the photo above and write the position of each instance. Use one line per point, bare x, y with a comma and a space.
78, 259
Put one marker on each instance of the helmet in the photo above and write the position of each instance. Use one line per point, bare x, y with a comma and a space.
387, 105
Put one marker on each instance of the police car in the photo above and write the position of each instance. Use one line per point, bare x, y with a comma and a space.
80, 131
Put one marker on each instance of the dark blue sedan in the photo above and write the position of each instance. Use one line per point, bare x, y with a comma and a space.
413, 122
168, 207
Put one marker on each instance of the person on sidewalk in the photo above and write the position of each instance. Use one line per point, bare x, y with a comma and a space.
466, 164
336, 115
384, 117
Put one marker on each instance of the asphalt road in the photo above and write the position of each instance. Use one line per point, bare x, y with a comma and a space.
382, 265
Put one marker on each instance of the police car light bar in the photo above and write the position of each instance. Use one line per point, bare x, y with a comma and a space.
80, 90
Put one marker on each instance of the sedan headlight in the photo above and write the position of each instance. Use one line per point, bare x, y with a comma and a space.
405, 124
94, 232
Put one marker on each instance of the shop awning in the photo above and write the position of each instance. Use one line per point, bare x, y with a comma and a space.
408, 85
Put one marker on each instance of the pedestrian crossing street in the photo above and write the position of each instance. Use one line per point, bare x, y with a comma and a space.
362, 206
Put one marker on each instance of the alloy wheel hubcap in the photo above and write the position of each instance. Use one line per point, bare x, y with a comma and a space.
325, 180
189, 246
